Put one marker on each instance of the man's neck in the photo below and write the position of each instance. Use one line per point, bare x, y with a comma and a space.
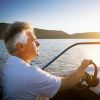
22, 57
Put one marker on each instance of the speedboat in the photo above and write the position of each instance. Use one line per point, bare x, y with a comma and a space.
88, 87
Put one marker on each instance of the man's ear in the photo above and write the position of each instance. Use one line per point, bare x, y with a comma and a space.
20, 46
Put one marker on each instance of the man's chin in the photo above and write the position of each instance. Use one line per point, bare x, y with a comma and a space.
38, 54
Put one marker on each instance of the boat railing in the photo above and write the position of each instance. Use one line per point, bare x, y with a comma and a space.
79, 43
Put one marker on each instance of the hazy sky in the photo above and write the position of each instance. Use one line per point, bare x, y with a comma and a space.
71, 16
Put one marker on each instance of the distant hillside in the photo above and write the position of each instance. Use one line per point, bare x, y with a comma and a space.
54, 34
50, 34
41, 33
2, 28
86, 35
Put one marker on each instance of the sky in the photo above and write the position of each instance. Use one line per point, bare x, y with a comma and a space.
70, 16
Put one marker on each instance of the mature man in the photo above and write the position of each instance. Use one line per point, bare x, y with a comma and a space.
20, 80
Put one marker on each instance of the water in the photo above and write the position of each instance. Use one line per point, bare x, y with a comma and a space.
3, 53
70, 60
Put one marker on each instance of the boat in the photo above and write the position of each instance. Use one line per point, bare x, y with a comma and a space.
87, 89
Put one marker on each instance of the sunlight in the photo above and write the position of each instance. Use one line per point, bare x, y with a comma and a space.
93, 53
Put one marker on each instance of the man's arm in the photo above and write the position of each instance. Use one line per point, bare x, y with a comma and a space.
71, 80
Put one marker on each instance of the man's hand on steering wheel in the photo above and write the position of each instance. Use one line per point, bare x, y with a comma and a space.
90, 80
85, 63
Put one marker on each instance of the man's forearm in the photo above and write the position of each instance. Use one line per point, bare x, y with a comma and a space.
71, 80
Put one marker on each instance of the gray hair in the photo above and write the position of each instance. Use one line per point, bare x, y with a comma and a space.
15, 33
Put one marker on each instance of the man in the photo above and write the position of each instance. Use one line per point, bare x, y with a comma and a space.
20, 80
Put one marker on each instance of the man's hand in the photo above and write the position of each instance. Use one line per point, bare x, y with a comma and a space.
71, 80
85, 63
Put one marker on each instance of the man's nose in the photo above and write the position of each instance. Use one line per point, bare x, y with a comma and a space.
37, 43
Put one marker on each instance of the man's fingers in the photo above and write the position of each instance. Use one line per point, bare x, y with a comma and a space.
85, 63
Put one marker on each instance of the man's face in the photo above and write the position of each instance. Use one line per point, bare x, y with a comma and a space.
32, 46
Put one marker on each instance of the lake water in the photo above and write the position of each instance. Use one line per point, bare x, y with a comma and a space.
50, 48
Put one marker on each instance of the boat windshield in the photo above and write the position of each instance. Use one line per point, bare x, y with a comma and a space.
72, 59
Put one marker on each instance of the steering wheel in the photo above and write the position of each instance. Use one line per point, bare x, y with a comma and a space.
88, 80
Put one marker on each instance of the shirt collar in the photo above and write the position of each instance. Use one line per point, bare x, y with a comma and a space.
16, 59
